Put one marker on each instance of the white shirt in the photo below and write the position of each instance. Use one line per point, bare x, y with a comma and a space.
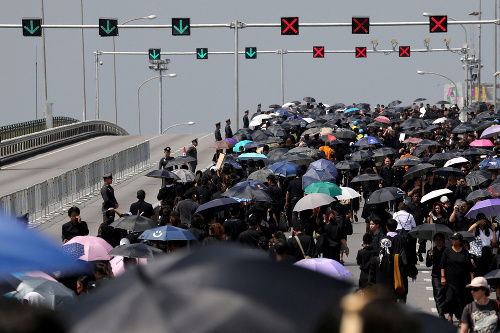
405, 220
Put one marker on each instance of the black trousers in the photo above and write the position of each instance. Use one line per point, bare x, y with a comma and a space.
439, 293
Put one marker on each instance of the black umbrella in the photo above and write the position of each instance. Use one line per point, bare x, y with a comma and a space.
418, 170
447, 170
396, 120
259, 135
297, 102
414, 122
217, 205
180, 160
394, 103
134, 223
364, 106
366, 178
162, 173
427, 231
274, 106
475, 178
260, 175
346, 135
275, 154
299, 159
361, 155
247, 193
273, 139
463, 129
442, 157
385, 194
338, 106
420, 99
347, 165
493, 277
478, 194
309, 99
384, 151
276, 130
442, 102
408, 161
180, 292
242, 136
476, 152
428, 143
137, 250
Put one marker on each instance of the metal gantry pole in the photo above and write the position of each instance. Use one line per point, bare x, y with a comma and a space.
44, 61
114, 81
480, 89
160, 120
282, 78
495, 59
83, 65
236, 79
96, 53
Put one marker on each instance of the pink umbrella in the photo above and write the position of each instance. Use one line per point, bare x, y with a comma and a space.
118, 267
413, 140
481, 143
382, 119
88, 248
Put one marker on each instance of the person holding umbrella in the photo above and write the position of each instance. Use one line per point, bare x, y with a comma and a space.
434, 259
485, 231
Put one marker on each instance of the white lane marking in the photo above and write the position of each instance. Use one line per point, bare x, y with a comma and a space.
427, 280
428, 288
434, 310
425, 272
431, 299
51, 153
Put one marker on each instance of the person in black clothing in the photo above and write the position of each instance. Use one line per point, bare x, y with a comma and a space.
281, 253
364, 257
419, 211
234, 226
434, 259
108, 194
250, 237
75, 227
198, 228
387, 173
142, 207
108, 233
462, 190
307, 247
203, 192
274, 192
377, 233
191, 151
246, 122
218, 136
164, 160
167, 194
294, 193
227, 130
334, 236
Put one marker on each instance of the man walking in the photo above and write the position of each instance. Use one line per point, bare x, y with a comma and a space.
246, 122
191, 151
218, 136
108, 194
227, 130
142, 207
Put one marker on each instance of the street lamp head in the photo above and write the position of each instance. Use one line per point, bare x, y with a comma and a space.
421, 72
151, 17
426, 14
191, 123
496, 74
172, 75
474, 13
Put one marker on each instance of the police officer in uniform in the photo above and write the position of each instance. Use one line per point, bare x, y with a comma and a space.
165, 160
191, 151
229, 132
246, 122
108, 194
218, 136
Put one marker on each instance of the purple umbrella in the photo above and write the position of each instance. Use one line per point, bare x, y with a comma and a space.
233, 141
491, 132
490, 207
325, 266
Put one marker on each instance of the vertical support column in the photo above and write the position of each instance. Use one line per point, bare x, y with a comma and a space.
236, 79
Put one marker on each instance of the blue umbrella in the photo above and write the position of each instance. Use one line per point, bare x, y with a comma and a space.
313, 176
491, 163
167, 233
237, 146
251, 182
367, 140
282, 112
294, 117
24, 250
252, 156
284, 169
253, 144
323, 164
217, 205
235, 164
351, 110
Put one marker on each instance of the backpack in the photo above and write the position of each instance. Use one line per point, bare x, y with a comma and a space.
402, 245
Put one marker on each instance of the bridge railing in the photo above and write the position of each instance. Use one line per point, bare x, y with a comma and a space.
56, 194
32, 126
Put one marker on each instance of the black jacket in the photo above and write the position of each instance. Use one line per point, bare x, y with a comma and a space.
308, 245
108, 197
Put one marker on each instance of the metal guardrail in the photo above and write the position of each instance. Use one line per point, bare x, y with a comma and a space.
54, 195
32, 126
31, 142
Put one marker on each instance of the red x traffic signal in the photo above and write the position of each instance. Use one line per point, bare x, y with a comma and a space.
289, 25
404, 51
438, 23
318, 51
360, 52
360, 25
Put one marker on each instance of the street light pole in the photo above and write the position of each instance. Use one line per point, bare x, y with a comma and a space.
150, 17
138, 100
189, 123
434, 73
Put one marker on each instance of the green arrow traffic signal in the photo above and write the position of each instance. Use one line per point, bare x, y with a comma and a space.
250, 52
181, 27
32, 27
154, 54
202, 53
108, 27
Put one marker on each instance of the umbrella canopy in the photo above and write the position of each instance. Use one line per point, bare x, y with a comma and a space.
491, 132
490, 207
382, 119
347, 194
237, 146
408, 161
456, 160
385, 194
477, 177
284, 169
222, 145
493, 277
309, 99
180, 292
413, 140
491, 163
323, 164
324, 187
494, 189
361, 155
167, 233
312, 201
56, 295
478, 194
254, 183
394, 103
252, 156
217, 205
314, 175
481, 143
328, 267
467, 235
137, 250
418, 170
366, 178
366, 141
347, 165
420, 99
162, 173
247, 193
463, 128
435, 194
259, 135
414, 122
253, 144
185, 176
260, 175
427, 231
442, 157
134, 223
346, 135
88, 248
233, 141
180, 160
384, 151
24, 250
447, 170
299, 159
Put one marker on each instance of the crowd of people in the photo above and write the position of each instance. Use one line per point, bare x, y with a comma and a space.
370, 149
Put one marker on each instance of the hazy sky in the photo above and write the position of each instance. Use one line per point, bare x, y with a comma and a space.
203, 90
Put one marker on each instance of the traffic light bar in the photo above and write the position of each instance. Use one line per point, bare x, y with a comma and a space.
318, 51
181, 26
250, 52
438, 23
108, 27
360, 25
289, 25
154, 55
202, 53
32, 26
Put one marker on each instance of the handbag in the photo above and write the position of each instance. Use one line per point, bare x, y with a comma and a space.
399, 287
476, 247
301, 248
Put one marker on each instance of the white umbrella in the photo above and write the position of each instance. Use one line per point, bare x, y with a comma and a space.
439, 120
456, 160
309, 120
312, 201
262, 116
287, 105
435, 194
347, 193
185, 176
